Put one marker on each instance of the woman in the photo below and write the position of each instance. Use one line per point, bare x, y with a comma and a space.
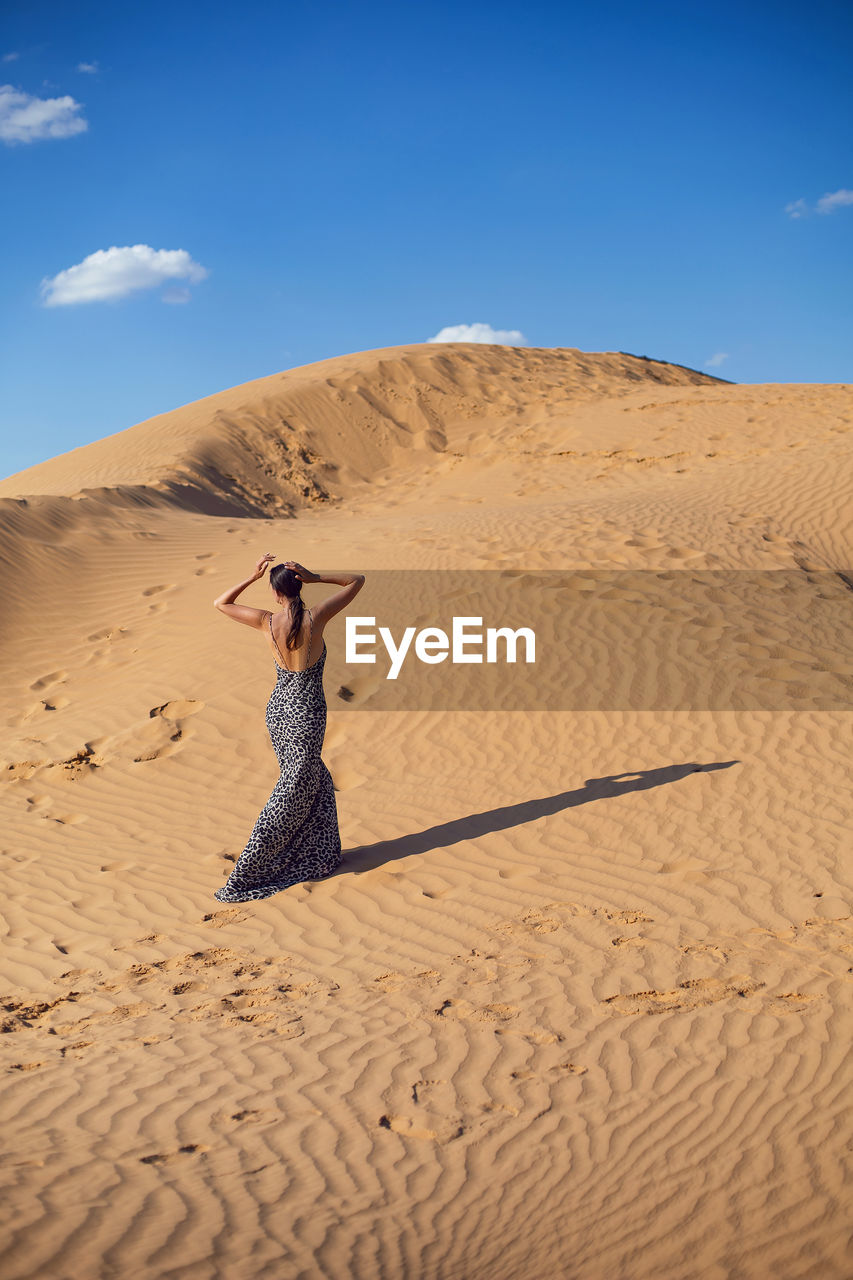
296, 836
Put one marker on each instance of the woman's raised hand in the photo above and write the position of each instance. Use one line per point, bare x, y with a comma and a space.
263, 564
303, 574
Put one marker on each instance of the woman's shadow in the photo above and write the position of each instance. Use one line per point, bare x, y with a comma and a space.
367, 857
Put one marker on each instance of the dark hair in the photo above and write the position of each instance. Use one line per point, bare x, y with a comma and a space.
285, 583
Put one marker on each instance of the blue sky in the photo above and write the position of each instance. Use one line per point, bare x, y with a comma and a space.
280, 183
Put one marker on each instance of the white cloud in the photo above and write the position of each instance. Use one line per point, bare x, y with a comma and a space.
479, 333
826, 204
91, 67
116, 272
176, 295
25, 118
834, 200
797, 208
716, 359
10, 57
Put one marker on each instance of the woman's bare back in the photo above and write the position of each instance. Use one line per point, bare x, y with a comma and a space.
311, 631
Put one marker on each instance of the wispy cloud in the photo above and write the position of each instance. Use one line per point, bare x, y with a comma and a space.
834, 200
10, 57
479, 332
26, 118
826, 204
716, 359
116, 272
176, 295
90, 67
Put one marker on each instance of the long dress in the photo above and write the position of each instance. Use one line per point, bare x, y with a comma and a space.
296, 836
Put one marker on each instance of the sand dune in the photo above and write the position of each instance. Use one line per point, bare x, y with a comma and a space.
577, 1003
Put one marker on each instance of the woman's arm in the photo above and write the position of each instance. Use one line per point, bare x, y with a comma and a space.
241, 612
338, 579
326, 609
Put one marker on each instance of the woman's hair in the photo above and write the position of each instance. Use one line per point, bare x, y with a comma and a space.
285, 583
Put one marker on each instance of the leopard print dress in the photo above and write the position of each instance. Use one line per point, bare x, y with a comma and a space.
296, 836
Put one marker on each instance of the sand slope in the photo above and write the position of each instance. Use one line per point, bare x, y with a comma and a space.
578, 1001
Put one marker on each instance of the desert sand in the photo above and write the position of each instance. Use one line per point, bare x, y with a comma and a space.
577, 1003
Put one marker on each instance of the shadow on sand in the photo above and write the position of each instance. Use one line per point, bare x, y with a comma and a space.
367, 857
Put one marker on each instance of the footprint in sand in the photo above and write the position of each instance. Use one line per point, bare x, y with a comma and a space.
230, 916
683, 866
792, 1002
161, 1157
253, 1115
704, 948
560, 1070
359, 688
155, 591
434, 1113
694, 993
393, 981
108, 633
531, 921
164, 733
75, 1049
444, 1130
647, 542
85, 761
177, 709
54, 703
535, 920
46, 682
501, 1018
